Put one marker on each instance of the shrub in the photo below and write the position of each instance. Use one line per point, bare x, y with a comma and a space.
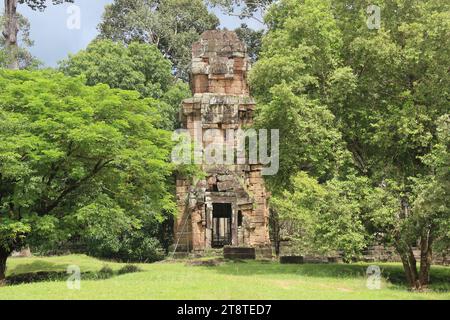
140, 248
105, 272
129, 268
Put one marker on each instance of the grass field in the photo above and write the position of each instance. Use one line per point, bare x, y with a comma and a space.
230, 280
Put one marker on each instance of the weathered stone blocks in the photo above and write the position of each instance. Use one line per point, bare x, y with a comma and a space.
221, 101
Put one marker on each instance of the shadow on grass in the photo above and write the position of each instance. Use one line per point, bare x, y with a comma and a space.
439, 279
37, 266
44, 276
43, 271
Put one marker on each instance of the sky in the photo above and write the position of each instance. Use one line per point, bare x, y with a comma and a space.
53, 40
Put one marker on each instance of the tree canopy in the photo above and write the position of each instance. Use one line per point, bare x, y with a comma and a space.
75, 153
137, 66
353, 100
172, 25
12, 22
25, 59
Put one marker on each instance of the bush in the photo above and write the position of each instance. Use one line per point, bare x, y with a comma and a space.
108, 231
129, 268
140, 248
135, 247
106, 272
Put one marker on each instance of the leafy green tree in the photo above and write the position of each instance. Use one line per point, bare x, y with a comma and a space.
432, 203
24, 58
251, 9
401, 93
307, 134
385, 89
288, 82
172, 25
324, 218
72, 152
424, 217
252, 39
108, 231
138, 66
296, 212
11, 26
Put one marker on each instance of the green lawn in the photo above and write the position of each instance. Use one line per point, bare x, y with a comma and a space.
231, 280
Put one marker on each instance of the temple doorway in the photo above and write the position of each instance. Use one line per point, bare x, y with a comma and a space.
221, 225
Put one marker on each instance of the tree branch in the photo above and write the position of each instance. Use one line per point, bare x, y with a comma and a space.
74, 186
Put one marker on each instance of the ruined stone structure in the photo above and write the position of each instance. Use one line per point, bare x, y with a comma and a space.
229, 206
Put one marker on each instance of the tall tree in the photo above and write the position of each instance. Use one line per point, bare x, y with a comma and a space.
24, 57
172, 25
252, 39
324, 218
288, 80
244, 9
138, 66
385, 89
12, 23
72, 152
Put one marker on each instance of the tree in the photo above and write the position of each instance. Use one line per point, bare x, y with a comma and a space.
138, 66
252, 39
385, 90
72, 152
172, 25
324, 218
252, 9
401, 72
424, 217
288, 82
24, 57
11, 26
432, 204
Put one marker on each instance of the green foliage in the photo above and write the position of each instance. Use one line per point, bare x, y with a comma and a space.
101, 226
42, 4
243, 8
432, 204
172, 25
74, 155
12, 233
376, 102
308, 137
173, 98
25, 58
109, 232
138, 246
105, 272
129, 268
297, 211
323, 218
252, 39
289, 81
138, 66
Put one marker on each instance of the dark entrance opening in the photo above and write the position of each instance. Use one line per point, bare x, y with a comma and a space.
221, 235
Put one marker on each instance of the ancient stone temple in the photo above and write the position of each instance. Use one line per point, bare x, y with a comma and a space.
228, 206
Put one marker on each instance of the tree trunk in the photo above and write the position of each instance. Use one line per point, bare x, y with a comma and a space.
409, 264
11, 29
406, 253
3, 257
274, 222
425, 258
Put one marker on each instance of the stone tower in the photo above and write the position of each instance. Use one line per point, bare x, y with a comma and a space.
229, 206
